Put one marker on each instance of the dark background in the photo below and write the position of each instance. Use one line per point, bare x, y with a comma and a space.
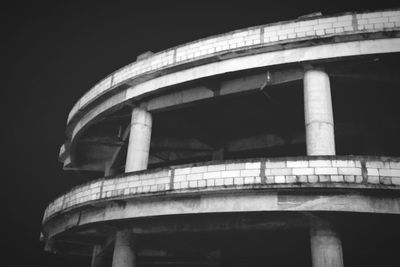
52, 52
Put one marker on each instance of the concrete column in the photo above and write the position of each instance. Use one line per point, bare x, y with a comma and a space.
326, 247
318, 113
97, 259
124, 255
136, 159
139, 140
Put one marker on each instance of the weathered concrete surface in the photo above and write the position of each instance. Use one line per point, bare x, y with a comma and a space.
326, 246
318, 113
139, 140
124, 255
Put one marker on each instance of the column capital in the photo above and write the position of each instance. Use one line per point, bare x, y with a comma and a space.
309, 66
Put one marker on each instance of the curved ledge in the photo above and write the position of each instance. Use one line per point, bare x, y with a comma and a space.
302, 54
324, 172
259, 36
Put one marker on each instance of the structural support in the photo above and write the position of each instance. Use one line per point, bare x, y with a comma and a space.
136, 159
139, 140
318, 113
326, 247
97, 260
124, 255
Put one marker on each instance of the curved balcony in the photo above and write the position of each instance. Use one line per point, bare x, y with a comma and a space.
324, 172
299, 40
263, 35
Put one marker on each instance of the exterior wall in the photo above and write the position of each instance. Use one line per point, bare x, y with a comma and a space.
326, 171
264, 35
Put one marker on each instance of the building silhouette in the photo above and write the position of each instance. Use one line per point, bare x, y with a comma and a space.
275, 144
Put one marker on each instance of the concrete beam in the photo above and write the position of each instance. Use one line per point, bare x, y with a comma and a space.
175, 149
175, 144
255, 142
226, 87
116, 157
176, 155
261, 81
101, 140
103, 248
393, 79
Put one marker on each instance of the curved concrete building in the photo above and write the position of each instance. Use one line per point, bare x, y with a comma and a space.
275, 145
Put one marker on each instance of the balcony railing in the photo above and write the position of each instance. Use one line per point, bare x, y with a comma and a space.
274, 173
264, 35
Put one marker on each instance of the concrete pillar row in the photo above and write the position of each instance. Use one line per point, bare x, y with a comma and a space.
318, 113
136, 160
326, 246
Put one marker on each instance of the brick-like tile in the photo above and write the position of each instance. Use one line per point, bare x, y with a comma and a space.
279, 179
337, 178
312, 178
320, 163
303, 171
252, 165
297, 163
349, 171
281, 171
373, 179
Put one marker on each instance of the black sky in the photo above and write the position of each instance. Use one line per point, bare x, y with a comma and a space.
54, 51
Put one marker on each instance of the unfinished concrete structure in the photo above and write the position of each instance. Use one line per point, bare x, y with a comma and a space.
275, 145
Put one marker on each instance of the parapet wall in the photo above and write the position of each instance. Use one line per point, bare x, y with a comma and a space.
265, 35
321, 171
